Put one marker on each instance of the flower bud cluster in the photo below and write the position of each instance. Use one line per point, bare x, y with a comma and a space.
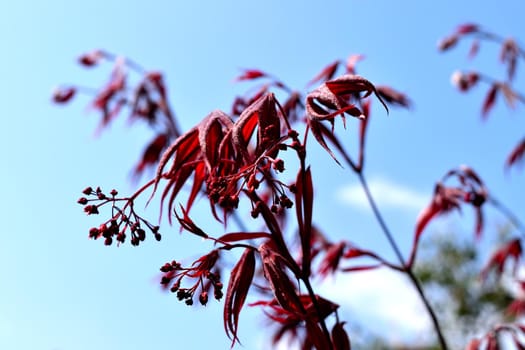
200, 271
124, 219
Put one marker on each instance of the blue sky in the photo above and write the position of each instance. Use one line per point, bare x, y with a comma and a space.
61, 291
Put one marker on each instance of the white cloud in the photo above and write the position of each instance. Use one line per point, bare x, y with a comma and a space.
383, 301
386, 193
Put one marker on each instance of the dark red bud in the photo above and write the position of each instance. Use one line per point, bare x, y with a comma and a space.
94, 232
141, 234
91, 58
91, 209
203, 298
63, 95
87, 191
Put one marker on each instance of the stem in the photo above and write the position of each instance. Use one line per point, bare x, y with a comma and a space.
406, 269
380, 219
313, 297
508, 214
305, 271
491, 81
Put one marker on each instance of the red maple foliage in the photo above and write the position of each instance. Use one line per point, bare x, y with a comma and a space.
236, 161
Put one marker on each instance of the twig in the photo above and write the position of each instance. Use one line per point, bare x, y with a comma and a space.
407, 269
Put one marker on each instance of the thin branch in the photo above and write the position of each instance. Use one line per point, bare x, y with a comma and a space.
508, 214
407, 269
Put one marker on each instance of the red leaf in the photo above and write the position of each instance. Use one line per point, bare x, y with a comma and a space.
64, 95
320, 132
474, 49
211, 132
199, 177
330, 262
352, 84
393, 97
423, 219
516, 308
115, 85
327, 73
498, 259
187, 223
361, 268
251, 74
467, 28
240, 280
509, 55
91, 59
278, 245
183, 152
490, 99
283, 289
152, 153
470, 174
351, 62
315, 338
158, 81
492, 342
241, 236
262, 114
517, 154
304, 207
340, 338
473, 344
448, 42
479, 222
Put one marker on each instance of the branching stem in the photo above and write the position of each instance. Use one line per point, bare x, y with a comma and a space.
407, 269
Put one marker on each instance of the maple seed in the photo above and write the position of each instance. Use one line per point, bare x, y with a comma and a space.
158, 237
82, 200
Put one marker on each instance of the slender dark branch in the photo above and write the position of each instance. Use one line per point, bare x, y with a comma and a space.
380, 219
239, 222
429, 308
498, 39
508, 214
315, 303
491, 81
406, 269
